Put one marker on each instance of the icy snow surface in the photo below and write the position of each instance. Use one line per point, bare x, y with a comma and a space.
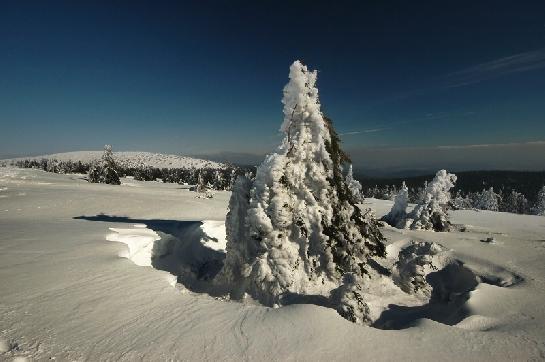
66, 293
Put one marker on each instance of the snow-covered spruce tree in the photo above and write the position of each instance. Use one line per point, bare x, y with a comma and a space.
201, 182
354, 186
488, 200
539, 206
421, 193
397, 215
105, 170
514, 202
294, 228
431, 212
461, 202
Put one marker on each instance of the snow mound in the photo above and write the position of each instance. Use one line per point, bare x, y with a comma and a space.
428, 271
189, 250
139, 240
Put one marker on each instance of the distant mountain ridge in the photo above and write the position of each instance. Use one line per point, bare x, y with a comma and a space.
128, 159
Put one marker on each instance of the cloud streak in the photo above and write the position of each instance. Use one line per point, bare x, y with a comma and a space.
516, 63
492, 145
370, 130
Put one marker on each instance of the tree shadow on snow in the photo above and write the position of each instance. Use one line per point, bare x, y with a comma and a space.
180, 251
451, 290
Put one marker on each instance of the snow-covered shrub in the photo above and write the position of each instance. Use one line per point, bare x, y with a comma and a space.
414, 263
105, 170
431, 212
487, 200
144, 173
52, 166
349, 300
428, 271
461, 202
354, 186
295, 229
397, 215
208, 194
539, 207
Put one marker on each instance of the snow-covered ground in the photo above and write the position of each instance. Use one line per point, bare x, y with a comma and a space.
128, 159
68, 292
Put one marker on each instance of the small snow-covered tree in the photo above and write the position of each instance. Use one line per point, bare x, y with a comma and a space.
295, 229
487, 200
354, 186
431, 212
539, 207
202, 186
105, 170
421, 193
514, 202
461, 202
397, 215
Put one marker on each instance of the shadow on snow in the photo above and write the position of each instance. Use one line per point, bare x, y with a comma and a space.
180, 251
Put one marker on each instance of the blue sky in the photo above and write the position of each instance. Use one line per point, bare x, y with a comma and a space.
206, 77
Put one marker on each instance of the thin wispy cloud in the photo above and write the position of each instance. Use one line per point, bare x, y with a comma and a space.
516, 63
492, 145
370, 130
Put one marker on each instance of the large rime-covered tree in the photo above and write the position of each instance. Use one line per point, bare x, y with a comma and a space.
105, 170
295, 228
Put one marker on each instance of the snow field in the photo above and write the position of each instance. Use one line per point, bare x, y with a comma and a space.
65, 294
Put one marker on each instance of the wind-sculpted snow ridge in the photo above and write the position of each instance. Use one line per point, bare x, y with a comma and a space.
128, 159
140, 243
191, 251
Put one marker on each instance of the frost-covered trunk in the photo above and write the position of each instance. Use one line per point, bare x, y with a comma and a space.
295, 229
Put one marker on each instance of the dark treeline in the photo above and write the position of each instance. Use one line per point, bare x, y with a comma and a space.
510, 191
211, 178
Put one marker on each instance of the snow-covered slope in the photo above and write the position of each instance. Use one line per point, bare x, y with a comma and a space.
129, 159
68, 292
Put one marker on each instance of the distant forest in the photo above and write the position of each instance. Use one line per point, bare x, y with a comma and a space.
526, 182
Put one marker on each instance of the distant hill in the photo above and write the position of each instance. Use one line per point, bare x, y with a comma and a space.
128, 159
